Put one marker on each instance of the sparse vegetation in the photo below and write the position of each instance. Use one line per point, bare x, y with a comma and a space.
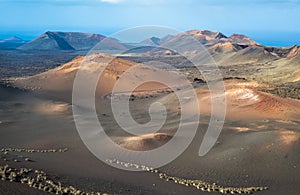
199, 184
36, 179
19, 63
291, 90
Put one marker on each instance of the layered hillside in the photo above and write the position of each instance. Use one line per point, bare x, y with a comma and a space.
59, 81
11, 42
71, 41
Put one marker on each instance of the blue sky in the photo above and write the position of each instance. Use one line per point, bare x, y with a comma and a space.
270, 22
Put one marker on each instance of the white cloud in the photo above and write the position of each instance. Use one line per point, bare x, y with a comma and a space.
112, 1
147, 2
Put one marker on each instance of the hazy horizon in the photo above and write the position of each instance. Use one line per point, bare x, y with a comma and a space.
277, 39
267, 22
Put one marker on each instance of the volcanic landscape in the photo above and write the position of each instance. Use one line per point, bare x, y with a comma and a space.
258, 150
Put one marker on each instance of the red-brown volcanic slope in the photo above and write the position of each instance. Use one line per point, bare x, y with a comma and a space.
60, 80
245, 101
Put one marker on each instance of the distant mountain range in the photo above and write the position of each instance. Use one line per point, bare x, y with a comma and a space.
156, 41
13, 39
233, 50
238, 53
11, 42
84, 41
71, 41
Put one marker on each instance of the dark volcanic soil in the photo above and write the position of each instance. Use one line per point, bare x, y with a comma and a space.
248, 153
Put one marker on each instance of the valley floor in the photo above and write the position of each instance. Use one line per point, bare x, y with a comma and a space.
254, 152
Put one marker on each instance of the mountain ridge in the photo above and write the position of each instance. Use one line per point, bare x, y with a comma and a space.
86, 41
12, 42
70, 41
